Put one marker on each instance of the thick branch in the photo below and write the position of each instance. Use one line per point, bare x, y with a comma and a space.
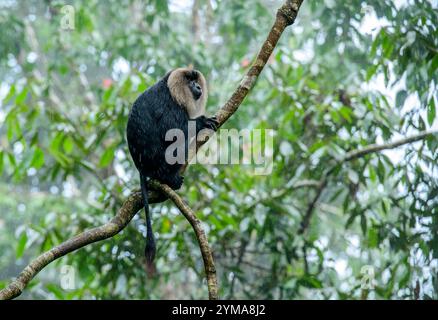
352, 155
206, 252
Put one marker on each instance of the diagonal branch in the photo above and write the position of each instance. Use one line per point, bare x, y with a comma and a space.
352, 155
286, 16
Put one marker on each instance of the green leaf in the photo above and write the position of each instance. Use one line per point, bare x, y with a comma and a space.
59, 294
108, 95
107, 157
55, 143
12, 160
373, 238
161, 6
13, 126
1, 162
381, 171
400, 98
373, 175
21, 97
371, 72
310, 282
388, 47
68, 144
386, 205
431, 112
84, 21
57, 152
10, 94
363, 224
350, 219
37, 159
346, 113
21, 245
353, 176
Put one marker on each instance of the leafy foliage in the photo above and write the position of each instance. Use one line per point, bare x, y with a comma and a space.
348, 74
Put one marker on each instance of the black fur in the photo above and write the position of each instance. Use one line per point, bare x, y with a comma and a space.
152, 115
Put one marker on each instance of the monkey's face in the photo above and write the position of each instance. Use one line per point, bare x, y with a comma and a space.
188, 88
193, 83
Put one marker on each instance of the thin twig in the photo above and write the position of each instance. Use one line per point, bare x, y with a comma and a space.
392, 145
242, 251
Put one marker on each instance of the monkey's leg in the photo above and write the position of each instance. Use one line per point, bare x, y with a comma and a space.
175, 181
169, 174
174, 178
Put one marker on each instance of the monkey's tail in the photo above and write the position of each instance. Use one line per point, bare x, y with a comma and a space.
150, 249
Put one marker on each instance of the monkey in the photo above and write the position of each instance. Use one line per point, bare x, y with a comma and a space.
179, 97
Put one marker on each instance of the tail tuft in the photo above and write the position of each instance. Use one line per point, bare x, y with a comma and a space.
150, 249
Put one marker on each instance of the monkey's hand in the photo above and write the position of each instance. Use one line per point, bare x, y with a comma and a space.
203, 122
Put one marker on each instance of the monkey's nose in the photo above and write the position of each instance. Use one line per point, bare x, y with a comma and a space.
197, 94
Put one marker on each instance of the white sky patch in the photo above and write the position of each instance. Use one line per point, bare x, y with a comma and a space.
306, 54
371, 24
4, 89
121, 66
180, 5
32, 57
341, 267
70, 188
18, 148
354, 248
2, 116
121, 172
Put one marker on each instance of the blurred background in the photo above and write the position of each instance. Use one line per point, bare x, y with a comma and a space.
348, 74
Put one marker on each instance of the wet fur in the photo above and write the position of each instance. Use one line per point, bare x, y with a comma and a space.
168, 104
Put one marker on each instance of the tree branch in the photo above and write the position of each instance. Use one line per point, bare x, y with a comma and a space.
392, 145
286, 16
352, 155
206, 252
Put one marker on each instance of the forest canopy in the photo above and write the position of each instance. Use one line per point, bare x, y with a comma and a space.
348, 209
